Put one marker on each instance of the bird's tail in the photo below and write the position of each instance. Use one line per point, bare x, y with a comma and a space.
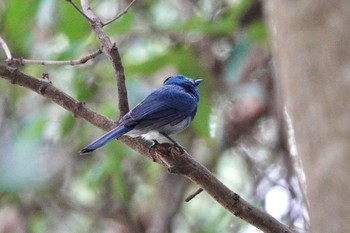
104, 139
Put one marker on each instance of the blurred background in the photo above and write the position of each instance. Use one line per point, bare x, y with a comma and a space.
46, 186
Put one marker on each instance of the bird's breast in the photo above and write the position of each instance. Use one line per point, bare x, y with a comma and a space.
174, 128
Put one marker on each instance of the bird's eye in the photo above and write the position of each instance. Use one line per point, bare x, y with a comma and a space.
166, 79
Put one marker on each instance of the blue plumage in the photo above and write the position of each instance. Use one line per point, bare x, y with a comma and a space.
167, 110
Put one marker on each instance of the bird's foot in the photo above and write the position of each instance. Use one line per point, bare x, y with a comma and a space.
175, 145
152, 149
167, 148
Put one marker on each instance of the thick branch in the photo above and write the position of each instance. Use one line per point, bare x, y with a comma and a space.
175, 162
46, 89
77, 108
184, 164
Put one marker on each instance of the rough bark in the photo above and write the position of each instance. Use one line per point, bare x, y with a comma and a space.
311, 48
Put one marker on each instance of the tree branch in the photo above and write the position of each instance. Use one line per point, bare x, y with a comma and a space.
83, 60
120, 14
77, 108
184, 164
174, 161
112, 53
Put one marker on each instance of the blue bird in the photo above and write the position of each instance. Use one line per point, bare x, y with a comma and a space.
167, 110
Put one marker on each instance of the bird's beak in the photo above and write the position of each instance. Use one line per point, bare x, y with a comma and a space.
198, 81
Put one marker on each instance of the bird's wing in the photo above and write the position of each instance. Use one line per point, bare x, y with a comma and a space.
163, 106
162, 118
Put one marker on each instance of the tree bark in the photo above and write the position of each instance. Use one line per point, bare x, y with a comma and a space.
311, 49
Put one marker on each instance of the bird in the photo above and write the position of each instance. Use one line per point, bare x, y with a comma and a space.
167, 110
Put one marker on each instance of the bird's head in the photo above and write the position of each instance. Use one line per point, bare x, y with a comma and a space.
182, 81
190, 85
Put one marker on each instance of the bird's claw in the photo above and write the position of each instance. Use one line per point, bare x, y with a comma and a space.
170, 149
152, 148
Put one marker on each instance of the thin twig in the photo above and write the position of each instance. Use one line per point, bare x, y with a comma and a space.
83, 60
5, 48
80, 11
190, 197
120, 14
